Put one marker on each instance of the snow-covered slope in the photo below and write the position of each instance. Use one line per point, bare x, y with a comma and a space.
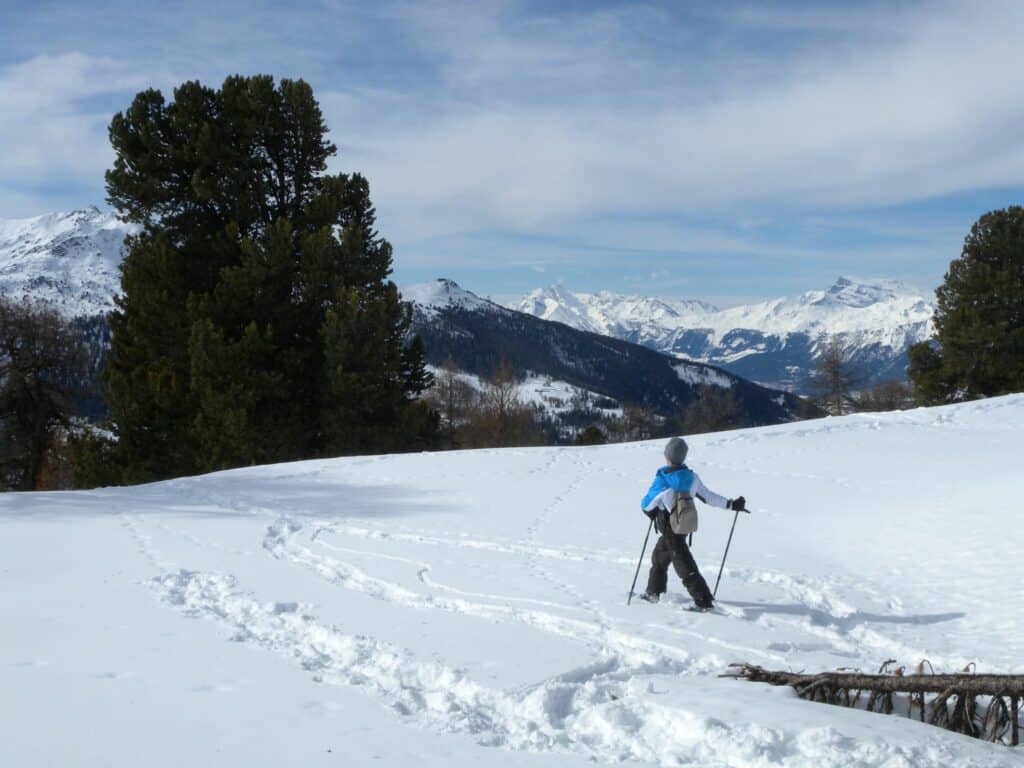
541, 392
69, 259
478, 335
468, 608
774, 342
862, 312
442, 293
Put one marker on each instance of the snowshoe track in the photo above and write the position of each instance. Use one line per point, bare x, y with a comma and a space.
591, 711
571, 712
281, 542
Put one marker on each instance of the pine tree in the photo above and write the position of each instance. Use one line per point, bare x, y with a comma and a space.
891, 395
979, 318
834, 378
714, 409
454, 398
256, 322
932, 383
592, 435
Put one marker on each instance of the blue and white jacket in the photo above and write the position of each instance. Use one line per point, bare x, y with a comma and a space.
671, 480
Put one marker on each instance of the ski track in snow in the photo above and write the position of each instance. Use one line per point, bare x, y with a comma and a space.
423, 574
281, 542
836, 625
536, 561
798, 589
143, 542
546, 717
594, 710
830, 622
577, 554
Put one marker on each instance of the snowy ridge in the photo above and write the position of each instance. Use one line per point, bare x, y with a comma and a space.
609, 313
860, 311
468, 608
442, 293
885, 311
70, 260
774, 342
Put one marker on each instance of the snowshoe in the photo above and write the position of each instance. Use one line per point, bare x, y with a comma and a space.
701, 608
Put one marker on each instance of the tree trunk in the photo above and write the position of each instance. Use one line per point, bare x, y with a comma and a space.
998, 722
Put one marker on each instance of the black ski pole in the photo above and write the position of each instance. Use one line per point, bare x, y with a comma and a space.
735, 517
641, 561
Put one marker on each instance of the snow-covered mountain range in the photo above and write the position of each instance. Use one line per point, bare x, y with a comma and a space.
774, 342
477, 335
71, 259
68, 259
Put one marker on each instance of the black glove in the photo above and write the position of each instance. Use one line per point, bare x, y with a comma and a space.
739, 504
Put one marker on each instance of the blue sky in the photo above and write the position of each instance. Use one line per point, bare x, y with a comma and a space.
717, 150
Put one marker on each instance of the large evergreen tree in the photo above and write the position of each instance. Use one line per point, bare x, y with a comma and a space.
979, 318
256, 322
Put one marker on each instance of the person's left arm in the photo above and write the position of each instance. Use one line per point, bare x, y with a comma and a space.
705, 494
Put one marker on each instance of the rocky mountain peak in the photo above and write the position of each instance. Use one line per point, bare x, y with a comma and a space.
860, 293
69, 259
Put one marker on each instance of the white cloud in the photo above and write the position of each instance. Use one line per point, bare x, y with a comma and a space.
50, 135
927, 110
495, 120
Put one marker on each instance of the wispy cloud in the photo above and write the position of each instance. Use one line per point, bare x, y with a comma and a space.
913, 115
656, 128
53, 132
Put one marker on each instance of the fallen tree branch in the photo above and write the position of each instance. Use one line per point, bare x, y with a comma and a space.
996, 719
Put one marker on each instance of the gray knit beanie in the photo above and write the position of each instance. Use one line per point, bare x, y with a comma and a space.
675, 451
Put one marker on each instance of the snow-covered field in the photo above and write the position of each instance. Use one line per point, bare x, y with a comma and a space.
469, 608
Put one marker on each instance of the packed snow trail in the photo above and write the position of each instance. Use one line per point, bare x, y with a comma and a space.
458, 607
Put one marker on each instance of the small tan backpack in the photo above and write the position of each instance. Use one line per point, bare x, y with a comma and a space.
683, 517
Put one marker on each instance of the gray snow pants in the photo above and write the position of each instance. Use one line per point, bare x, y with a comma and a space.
672, 549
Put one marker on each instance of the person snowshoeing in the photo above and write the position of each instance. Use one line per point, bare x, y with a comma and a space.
669, 503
